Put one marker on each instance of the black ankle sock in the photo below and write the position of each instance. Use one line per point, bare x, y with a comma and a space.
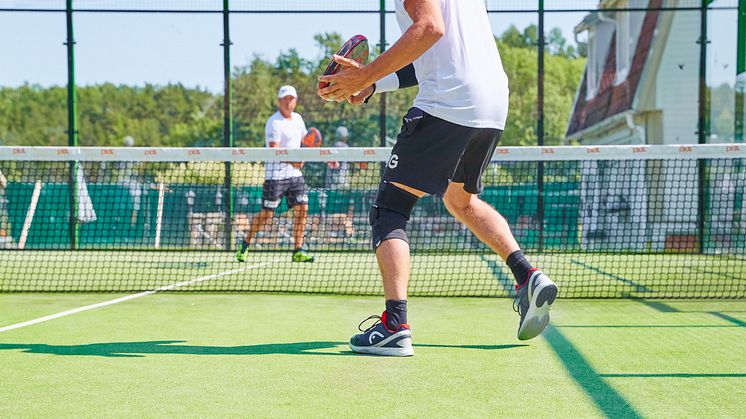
396, 313
519, 266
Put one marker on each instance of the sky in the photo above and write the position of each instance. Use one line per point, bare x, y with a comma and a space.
134, 48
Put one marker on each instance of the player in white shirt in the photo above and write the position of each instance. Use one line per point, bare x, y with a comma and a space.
284, 129
446, 141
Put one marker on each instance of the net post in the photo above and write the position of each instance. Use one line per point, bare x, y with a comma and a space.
540, 126
382, 98
227, 124
702, 125
72, 125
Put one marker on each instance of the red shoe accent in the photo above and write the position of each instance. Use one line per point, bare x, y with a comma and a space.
385, 324
530, 272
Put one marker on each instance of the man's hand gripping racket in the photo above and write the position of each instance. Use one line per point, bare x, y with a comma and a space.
352, 83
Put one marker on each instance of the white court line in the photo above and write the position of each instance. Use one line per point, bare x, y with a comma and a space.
128, 297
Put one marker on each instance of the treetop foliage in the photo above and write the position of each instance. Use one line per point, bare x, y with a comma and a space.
176, 115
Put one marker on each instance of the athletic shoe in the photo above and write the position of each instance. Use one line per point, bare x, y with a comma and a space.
243, 252
532, 302
378, 339
301, 255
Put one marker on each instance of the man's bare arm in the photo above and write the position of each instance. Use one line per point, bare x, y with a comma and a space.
427, 28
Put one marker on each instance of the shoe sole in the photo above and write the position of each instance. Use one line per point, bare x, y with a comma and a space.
376, 350
537, 317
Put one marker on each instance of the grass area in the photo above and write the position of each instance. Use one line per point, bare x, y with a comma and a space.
264, 355
580, 275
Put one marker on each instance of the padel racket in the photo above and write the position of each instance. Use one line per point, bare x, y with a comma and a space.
356, 48
312, 138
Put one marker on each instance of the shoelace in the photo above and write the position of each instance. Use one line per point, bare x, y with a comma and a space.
517, 301
360, 326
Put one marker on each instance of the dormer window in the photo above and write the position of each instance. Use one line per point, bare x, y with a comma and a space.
623, 41
600, 29
628, 25
595, 65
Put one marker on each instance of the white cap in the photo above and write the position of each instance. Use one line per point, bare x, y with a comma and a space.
342, 132
287, 91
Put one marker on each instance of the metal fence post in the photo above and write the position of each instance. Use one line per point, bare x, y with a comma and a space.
740, 73
227, 124
72, 125
382, 99
702, 126
540, 126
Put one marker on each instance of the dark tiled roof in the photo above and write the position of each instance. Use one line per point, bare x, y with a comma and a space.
611, 100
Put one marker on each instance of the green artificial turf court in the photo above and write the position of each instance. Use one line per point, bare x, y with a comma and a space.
266, 355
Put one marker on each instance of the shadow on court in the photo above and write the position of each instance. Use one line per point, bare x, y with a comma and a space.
666, 308
173, 347
673, 375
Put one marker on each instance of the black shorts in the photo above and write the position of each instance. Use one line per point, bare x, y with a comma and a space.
293, 189
431, 152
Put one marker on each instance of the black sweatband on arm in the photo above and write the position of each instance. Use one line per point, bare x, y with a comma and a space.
407, 76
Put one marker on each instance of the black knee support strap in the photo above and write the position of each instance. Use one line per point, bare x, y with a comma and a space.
390, 213
395, 199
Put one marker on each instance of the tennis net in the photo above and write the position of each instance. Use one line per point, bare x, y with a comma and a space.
604, 222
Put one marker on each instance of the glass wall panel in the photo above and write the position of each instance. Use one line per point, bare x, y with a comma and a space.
155, 79
722, 29
33, 76
271, 50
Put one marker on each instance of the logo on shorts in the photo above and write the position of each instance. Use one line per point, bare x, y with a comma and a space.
271, 204
393, 161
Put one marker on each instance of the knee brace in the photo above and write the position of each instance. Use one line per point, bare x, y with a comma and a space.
390, 213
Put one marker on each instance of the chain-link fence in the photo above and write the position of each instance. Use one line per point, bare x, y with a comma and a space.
93, 72
205, 73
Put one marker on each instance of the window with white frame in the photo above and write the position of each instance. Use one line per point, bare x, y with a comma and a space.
628, 27
593, 73
600, 31
623, 50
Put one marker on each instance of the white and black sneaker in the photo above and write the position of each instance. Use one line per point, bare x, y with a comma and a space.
378, 339
532, 302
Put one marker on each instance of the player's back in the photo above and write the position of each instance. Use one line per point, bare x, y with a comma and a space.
461, 77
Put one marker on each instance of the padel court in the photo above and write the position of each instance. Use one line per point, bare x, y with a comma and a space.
275, 355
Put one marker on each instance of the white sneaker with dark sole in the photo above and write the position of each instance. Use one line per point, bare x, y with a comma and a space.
534, 300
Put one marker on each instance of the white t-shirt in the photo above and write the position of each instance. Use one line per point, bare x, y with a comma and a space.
288, 133
461, 77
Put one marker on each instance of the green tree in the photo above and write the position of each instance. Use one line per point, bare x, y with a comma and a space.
174, 115
33, 115
562, 73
